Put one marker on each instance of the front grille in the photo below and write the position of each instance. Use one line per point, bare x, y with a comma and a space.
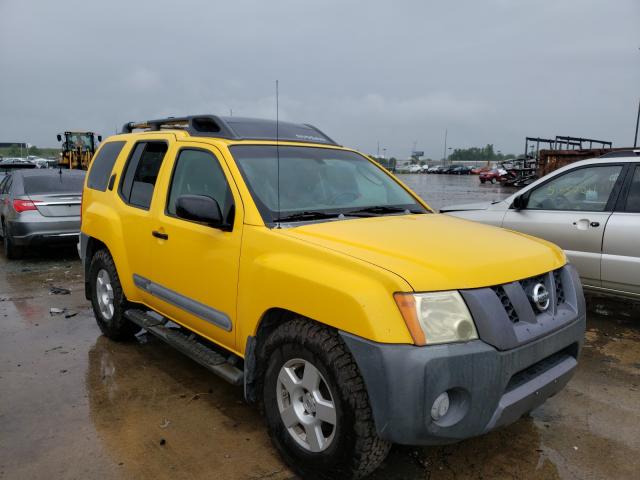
557, 277
506, 303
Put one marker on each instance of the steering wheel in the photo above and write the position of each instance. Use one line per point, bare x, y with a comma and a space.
348, 196
561, 203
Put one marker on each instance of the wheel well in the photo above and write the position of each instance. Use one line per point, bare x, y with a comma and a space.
254, 353
93, 245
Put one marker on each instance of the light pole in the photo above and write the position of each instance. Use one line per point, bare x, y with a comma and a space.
445, 148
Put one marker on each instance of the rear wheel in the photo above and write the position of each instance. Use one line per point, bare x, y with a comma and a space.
494, 180
316, 404
107, 298
11, 250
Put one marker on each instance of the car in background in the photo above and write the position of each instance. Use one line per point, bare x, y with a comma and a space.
494, 175
461, 170
435, 169
479, 170
590, 208
448, 170
9, 164
39, 207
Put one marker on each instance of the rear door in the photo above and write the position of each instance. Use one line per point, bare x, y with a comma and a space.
137, 192
571, 210
621, 245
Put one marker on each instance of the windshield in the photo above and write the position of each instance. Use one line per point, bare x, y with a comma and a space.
318, 183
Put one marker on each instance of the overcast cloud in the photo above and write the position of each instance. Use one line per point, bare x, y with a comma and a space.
396, 72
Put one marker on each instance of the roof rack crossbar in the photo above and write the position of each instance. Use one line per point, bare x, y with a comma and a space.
232, 128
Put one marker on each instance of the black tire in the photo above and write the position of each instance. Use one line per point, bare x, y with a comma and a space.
482, 180
494, 180
117, 327
11, 250
355, 450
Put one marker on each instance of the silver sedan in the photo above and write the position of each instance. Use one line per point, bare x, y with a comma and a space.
591, 209
39, 206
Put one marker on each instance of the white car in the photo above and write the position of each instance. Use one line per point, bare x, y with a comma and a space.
591, 209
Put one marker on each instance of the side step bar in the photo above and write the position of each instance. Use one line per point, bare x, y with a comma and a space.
188, 344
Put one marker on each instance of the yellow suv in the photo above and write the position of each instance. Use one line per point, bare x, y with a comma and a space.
306, 273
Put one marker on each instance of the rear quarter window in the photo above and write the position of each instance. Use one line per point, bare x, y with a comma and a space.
102, 165
59, 183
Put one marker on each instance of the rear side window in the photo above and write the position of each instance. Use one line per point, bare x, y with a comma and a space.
58, 183
141, 173
633, 199
102, 165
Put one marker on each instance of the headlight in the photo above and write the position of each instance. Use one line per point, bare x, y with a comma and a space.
438, 317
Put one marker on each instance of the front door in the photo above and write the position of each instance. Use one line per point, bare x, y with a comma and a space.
621, 245
195, 265
571, 210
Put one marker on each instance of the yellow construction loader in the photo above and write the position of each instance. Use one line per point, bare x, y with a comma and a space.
78, 149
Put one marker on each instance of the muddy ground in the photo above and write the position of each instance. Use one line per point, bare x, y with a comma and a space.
75, 405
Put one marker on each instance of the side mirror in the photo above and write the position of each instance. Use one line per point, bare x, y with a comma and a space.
59, 137
199, 208
99, 138
520, 202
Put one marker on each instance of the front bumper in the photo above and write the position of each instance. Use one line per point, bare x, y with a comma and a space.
488, 388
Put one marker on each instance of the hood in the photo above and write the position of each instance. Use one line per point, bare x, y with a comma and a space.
466, 206
436, 252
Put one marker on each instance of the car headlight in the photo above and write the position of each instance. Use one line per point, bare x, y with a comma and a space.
437, 317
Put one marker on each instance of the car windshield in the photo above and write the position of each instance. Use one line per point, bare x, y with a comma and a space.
58, 183
316, 183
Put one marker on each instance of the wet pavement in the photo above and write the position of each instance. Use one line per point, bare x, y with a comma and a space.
76, 405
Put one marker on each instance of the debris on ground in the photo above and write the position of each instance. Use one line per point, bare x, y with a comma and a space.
165, 423
70, 314
162, 441
56, 311
59, 291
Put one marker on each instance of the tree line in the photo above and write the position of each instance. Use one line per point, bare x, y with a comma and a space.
479, 154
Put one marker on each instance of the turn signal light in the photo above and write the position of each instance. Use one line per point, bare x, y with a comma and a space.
23, 205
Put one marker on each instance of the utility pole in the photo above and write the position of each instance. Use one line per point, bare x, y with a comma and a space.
445, 148
635, 141
378, 150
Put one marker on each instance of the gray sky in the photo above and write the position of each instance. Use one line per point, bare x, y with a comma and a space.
490, 71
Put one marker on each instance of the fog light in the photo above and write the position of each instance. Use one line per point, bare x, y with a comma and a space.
440, 406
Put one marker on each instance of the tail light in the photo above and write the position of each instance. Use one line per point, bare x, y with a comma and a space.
24, 205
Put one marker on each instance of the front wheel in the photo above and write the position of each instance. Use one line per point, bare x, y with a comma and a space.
107, 298
494, 180
316, 404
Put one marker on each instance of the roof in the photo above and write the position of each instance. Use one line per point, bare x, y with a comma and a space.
235, 128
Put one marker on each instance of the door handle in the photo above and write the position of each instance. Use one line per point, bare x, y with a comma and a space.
160, 235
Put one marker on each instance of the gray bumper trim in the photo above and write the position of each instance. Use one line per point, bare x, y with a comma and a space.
489, 388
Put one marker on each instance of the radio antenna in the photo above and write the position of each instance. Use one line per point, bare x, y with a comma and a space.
278, 153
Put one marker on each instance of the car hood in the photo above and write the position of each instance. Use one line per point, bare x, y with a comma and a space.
436, 252
466, 206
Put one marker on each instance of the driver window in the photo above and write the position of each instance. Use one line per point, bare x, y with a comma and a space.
197, 172
584, 189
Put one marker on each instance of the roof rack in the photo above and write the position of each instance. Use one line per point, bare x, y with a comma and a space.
234, 128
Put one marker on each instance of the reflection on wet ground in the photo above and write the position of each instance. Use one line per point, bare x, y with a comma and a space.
444, 190
76, 405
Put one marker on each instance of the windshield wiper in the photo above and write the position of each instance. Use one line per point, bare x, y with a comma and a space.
304, 216
380, 210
